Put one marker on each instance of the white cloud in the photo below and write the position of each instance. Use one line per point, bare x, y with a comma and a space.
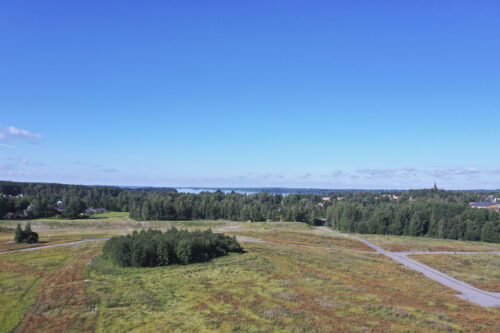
335, 174
410, 169
6, 166
12, 131
454, 172
494, 172
18, 173
26, 161
377, 173
11, 170
265, 175
110, 170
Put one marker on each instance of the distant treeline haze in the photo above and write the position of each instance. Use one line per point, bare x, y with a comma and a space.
432, 213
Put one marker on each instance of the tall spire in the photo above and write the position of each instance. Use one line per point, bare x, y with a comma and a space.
435, 187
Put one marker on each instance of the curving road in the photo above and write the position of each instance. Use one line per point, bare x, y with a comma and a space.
468, 292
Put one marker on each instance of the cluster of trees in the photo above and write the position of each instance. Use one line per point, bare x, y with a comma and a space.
26, 235
154, 248
205, 205
39, 200
431, 213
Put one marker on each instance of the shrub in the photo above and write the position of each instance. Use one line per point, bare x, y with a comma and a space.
26, 235
153, 248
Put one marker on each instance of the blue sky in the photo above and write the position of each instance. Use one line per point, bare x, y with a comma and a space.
332, 94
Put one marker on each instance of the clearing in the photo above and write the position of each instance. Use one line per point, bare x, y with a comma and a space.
273, 287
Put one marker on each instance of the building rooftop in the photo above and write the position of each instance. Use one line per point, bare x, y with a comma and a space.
483, 204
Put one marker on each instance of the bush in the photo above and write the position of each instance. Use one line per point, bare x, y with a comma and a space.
26, 235
153, 248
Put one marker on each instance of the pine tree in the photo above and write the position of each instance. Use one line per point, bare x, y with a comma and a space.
26, 235
488, 234
19, 235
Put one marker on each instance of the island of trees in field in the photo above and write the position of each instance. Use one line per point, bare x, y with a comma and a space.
431, 213
155, 248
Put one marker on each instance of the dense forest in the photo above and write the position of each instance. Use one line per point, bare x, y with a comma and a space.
155, 248
431, 213
35, 200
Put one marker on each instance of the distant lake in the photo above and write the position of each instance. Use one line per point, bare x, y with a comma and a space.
197, 190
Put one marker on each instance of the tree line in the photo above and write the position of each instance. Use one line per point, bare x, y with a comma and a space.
438, 218
431, 213
39, 200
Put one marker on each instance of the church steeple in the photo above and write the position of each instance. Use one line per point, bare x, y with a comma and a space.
435, 187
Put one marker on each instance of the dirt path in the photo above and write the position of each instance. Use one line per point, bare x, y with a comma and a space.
468, 292
55, 245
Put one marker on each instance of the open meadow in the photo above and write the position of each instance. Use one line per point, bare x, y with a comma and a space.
249, 166
290, 283
479, 270
406, 243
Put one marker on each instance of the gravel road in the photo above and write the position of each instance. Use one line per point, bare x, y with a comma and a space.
468, 292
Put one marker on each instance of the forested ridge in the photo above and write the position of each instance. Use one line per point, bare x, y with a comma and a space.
431, 213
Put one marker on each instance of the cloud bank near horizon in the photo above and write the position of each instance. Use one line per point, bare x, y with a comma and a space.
27, 168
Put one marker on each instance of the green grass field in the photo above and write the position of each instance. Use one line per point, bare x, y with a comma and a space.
110, 214
31, 283
278, 287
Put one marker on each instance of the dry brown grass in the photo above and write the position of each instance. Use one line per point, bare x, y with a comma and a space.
305, 238
271, 288
406, 243
479, 270
63, 303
